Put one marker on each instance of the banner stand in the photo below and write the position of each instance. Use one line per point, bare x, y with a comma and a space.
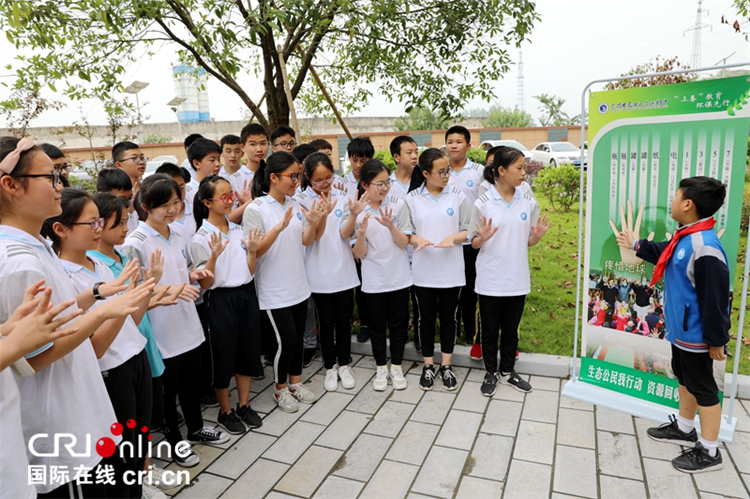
586, 392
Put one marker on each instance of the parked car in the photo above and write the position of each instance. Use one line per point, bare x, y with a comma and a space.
155, 163
557, 153
489, 144
81, 171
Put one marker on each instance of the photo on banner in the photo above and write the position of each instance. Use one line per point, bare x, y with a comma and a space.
642, 142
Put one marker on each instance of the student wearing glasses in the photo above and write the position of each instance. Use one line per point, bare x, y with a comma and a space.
128, 157
58, 162
282, 139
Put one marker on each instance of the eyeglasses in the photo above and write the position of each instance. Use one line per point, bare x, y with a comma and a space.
226, 198
383, 185
135, 159
285, 145
322, 183
444, 173
294, 176
54, 177
94, 224
64, 167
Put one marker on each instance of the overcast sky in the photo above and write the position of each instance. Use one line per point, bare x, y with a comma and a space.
575, 42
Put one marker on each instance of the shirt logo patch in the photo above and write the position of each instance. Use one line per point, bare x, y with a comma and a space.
450, 212
339, 213
681, 254
524, 216
299, 215
184, 255
470, 183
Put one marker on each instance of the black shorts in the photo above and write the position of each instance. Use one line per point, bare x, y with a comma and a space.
234, 333
695, 371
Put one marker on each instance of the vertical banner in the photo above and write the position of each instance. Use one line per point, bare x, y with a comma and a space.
642, 142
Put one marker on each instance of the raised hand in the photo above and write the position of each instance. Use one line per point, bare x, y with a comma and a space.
362, 230
386, 217
486, 231
632, 231
33, 324
339, 184
216, 244
188, 293
358, 205
285, 221
244, 195
120, 284
198, 274
329, 205
316, 212
126, 303
540, 229
254, 238
156, 266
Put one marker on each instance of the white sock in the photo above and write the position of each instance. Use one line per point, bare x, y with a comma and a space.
293, 387
685, 425
712, 447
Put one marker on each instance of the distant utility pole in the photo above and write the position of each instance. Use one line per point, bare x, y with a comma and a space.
695, 56
520, 97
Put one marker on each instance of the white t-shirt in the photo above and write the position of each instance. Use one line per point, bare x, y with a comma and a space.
14, 465
329, 262
468, 180
129, 341
525, 188
191, 189
385, 267
231, 269
350, 186
133, 221
503, 261
398, 189
435, 219
177, 328
238, 178
280, 278
69, 395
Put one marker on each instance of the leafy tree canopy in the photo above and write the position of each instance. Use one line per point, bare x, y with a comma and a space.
551, 111
505, 117
422, 118
655, 65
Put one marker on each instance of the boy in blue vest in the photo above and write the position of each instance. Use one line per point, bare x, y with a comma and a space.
696, 311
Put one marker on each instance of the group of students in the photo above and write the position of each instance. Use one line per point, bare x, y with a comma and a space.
190, 277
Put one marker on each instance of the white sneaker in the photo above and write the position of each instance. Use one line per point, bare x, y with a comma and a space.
397, 377
347, 377
151, 492
302, 394
332, 379
285, 400
157, 475
380, 383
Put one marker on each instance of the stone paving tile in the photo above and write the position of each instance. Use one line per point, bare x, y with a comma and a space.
264, 402
459, 430
257, 480
413, 443
368, 401
412, 394
390, 419
344, 430
535, 442
294, 442
309, 371
545, 383
619, 488
725, 482
440, 474
740, 451
507, 392
575, 471
470, 398
363, 457
540, 406
362, 379
746, 479
665, 482
308, 473
490, 457
743, 419
502, 417
278, 495
205, 486
367, 363
618, 455
616, 422
576, 428
569, 403
258, 385
207, 454
338, 488
476, 488
392, 480
241, 455
476, 374
433, 407
557, 495
277, 422
527, 481
325, 410
652, 448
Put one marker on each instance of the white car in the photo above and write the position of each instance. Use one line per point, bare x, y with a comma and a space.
489, 144
155, 163
557, 153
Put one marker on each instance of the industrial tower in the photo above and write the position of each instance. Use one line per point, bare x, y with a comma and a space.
520, 97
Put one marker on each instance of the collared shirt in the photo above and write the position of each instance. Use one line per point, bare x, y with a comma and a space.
398, 189
231, 269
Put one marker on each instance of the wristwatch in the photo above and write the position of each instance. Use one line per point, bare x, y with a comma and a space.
96, 291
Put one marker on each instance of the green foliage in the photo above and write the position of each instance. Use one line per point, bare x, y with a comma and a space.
505, 117
385, 157
655, 65
422, 118
559, 185
477, 155
22, 106
157, 139
552, 113
86, 185
745, 212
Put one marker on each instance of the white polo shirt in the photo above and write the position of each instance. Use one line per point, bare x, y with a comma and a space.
129, 341
231, 270
238, 178
385, 267
69, 395
398, 189
191, 189
14, 465
329, 263
133, 221
280, 278
435, 219
503, 261
468, 180
177, 328
525, 188
350, 186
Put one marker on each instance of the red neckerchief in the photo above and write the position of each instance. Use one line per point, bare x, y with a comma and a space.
661, 265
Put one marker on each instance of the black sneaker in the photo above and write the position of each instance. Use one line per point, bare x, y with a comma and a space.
513, 379
184, 455
449, 379
363, 335
670, 433
231, 422
698, 460
249, 416
208, 435
427, 380
210, 400
489, 385
308, 356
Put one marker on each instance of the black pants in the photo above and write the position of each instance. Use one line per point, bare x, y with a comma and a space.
157, 402
71, 490
288, 326
472, 326
414, 311
362, 305
500, 313
335, 316
433, 302
129, 388
389, 309
182, 375
205, 375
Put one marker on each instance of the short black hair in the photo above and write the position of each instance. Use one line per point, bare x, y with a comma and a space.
706, 193
53, 152
319, 144
491, 152
252, 129
73, 202
119, 148
360, 147
201, 148
229, 139
190, 139
186, 174
172, 170
110, 179
281, 131
109, 205
396, 144
459, 129
302, 151
156, 190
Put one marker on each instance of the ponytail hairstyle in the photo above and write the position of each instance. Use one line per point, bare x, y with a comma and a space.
277, 162
156, 190
426, 160
369, 171
73, 202
110, 205
206, 190
503, 159
313, 161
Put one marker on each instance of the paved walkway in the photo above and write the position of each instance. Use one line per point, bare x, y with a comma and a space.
439, 444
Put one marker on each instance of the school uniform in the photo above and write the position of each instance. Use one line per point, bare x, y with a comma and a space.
191, 189
69, 395
438, 273
237, 179
503, 278
386, 279
350, 186
14, 465
133, 221
127, 376
525, 188
281, 281
332, 277
398, 189
231, 306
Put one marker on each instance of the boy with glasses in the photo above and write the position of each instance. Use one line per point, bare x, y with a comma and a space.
58, 162
128, 157
282, 139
